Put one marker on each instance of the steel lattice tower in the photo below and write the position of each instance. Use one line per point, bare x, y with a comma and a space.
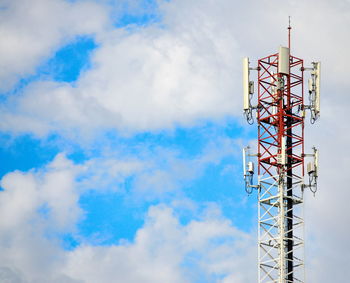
280, 117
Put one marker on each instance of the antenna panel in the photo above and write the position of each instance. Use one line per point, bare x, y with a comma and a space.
318, 85
283, 60
283, 151
251, 167
310, 168
310, 84
316, 161
246, 83
244, 163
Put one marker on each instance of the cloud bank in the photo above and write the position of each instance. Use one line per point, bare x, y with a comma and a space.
177, 72
32, 30
44, 203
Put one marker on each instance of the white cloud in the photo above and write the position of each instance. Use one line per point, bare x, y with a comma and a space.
40, 203
28, 191
148, 79
31, 31
36, 205
327, 248
167, 172
166, 251
189, 69
179, 72
10, 276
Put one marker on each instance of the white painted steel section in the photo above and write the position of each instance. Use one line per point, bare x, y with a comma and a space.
281, 226
272, 223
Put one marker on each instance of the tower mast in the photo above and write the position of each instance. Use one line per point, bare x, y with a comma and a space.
289, 171
280, 117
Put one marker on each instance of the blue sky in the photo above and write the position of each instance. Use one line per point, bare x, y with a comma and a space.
110, 216
121, 134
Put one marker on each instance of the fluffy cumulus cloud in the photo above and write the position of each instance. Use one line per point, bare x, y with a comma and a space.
168, 172
182, 69
44, 203
327, 251
150, 78
32, 30
38, 205
177, 72
166, 251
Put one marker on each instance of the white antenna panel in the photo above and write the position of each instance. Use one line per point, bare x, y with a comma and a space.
283, 151
251, 167
245, 83
244, 162
310, 168
283, 60
316, 161
318, 85
310, 84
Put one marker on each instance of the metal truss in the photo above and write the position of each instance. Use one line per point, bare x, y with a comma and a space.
281, 171
273, 231
280, 115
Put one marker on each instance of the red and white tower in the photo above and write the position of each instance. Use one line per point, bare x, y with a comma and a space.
280, 115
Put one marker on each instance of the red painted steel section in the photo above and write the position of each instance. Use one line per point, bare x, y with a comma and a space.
274, 107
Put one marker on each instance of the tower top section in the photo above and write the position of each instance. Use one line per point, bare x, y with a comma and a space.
289, 32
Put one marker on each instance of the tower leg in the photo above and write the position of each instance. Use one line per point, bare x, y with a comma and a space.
289, 224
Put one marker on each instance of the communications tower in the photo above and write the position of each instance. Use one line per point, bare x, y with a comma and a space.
280, 185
